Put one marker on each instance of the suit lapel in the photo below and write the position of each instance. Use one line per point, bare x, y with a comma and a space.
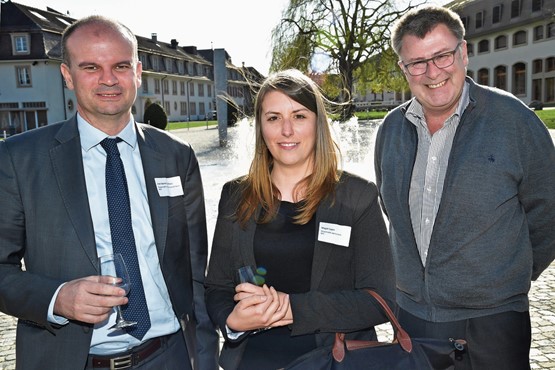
154, 166
67, 164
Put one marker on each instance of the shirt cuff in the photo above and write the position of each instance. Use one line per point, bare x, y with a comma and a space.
52, 318
232, 334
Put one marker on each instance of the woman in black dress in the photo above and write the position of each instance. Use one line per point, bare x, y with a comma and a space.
316, 234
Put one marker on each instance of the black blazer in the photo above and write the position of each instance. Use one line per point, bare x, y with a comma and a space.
338, 273
45, 219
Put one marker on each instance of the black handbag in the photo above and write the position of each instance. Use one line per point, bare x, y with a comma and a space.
404, 352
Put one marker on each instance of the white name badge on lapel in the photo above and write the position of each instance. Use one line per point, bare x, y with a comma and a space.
169, 186
334, 234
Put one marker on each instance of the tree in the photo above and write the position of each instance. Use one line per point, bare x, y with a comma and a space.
156, 116
347, 32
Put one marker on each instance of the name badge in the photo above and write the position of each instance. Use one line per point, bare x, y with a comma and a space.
334, 234
169, 186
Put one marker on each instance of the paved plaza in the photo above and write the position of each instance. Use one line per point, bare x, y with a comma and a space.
212, 157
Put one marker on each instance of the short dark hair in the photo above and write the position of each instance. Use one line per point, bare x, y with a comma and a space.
96, 20
420, 21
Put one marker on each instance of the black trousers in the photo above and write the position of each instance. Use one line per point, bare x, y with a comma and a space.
500, 341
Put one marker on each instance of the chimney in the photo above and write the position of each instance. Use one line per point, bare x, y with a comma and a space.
154, 37
190, 50
174, 43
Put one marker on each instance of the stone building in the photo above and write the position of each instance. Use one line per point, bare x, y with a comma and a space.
179, 78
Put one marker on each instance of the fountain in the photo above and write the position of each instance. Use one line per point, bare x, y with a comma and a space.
221, 164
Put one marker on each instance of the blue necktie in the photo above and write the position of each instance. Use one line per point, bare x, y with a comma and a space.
123, 240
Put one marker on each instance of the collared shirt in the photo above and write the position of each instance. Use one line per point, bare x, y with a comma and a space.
430, 167
162, 316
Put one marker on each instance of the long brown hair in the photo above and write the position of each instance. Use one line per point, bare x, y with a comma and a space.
258, 188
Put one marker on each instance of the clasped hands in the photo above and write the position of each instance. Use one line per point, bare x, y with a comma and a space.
259, 307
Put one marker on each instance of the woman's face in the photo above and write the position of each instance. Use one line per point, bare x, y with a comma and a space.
289, 131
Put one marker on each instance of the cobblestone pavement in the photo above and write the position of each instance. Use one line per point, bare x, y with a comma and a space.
205, 142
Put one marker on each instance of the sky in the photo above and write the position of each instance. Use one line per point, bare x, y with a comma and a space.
241, 27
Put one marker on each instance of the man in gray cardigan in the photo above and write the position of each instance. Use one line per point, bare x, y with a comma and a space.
466, 175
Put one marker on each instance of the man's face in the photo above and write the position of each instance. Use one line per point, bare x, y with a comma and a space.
438, 89
104, 73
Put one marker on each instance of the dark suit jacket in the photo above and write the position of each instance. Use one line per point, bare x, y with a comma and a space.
338, 273
45, 219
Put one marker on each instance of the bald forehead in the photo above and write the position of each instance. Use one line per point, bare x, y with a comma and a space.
101, 29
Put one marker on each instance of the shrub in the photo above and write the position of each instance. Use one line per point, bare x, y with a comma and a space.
155, 116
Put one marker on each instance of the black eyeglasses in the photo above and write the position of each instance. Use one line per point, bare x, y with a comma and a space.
440, 61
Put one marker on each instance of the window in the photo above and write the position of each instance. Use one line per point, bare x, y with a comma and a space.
23, 74
143, 59
155, 63
157, 86
182, 87
550, 30
144, 82
500, 77
483, 46
167, 107
183, 108
550, 64
479, 20
20, 44
470, 49
166, 86
209, 90
174, 87
483, 76
201, 109
497, 14
538, 33
519, 38
537, 66
192, 108
537, 5
191, 89
516, 7
537, 89
465, 21
470, 73
500, 42
550, 89
519, 79
201, 89
181, 67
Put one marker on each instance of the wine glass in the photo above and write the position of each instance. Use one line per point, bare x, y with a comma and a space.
251, 274
112, 265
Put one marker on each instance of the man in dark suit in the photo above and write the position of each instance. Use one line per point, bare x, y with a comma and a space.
54, 215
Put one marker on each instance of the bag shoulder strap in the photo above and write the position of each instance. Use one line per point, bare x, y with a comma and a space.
400, 334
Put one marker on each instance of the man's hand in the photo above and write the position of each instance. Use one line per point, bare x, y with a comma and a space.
89, 299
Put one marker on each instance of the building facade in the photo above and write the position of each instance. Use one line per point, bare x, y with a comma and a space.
180, 79
511, 45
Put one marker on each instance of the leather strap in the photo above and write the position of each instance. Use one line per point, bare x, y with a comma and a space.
400, 335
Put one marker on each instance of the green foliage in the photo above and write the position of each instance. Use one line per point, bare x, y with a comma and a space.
381, 73
156, 116
347, 32
548, 117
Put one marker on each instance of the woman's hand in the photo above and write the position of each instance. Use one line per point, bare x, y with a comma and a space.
258, 307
